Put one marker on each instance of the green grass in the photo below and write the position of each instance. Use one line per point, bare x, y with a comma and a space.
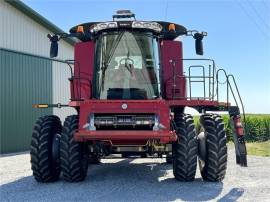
258, 148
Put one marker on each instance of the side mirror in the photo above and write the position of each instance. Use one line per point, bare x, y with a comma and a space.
199, 47
54, 45
198, 42
54, 49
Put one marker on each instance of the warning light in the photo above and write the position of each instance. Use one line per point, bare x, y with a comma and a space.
172, 27
80, 29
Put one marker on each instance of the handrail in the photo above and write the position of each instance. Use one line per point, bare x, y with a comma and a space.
210, 77
226, 82
229, 87
239, 96
190, 80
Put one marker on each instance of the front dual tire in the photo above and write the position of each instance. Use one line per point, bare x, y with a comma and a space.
53, 150
209, 145
185, 149
213, 155
44, 148
73, 155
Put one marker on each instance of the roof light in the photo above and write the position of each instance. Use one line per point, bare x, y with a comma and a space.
135, 24
105, 25
148, 25
112, 25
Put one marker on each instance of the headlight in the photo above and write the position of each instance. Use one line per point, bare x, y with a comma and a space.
135, 24
148, 25
104, 25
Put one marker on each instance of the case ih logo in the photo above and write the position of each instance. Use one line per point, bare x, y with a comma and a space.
124, 106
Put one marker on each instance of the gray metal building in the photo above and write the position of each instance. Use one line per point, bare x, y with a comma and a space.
27, 75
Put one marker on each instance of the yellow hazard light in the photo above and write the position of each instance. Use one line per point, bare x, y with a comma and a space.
40, 106
171, 27
80, 29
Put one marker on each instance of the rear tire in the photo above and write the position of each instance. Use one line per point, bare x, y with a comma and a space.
213, 163
73, 155
44, 149
185, 148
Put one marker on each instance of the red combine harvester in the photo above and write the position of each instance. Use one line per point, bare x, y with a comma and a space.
130, 86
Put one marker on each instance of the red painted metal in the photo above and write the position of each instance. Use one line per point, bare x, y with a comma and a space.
83, 71
192, 103
172, 51
169, 103
238, 126
126, 137
158, 107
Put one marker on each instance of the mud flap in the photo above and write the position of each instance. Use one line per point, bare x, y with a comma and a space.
238, 136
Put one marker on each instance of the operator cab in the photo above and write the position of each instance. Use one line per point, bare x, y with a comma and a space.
127, 56
126, 66
122, 59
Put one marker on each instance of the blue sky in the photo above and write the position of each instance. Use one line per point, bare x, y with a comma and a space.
238, 33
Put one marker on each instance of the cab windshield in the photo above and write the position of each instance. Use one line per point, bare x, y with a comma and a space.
127, 66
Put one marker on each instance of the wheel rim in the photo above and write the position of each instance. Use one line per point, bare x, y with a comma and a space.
201, 148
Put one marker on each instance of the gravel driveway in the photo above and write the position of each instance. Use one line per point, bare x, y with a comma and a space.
136, 180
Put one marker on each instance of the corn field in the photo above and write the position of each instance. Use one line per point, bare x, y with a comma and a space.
257, 127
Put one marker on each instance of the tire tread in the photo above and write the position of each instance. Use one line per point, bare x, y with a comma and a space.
185, 148
216, 148
71, 152
44, 170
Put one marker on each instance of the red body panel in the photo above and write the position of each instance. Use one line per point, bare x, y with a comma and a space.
83, 71
172, 50
126, 137
158, 107
174, 96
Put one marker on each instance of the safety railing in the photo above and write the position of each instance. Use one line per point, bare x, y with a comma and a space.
210, 80
229, 90
207, 78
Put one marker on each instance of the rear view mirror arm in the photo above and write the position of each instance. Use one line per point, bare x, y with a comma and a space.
54, 41
58, 36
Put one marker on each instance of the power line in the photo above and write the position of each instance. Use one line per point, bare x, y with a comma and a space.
252, 19
258, 15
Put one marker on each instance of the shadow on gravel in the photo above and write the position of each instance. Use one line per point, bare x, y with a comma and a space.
232, 196
122, 181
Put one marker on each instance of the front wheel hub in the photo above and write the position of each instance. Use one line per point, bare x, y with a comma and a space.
202, 146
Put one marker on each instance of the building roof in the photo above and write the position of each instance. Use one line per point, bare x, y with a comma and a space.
38, 18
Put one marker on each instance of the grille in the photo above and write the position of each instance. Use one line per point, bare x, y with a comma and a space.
124, 121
